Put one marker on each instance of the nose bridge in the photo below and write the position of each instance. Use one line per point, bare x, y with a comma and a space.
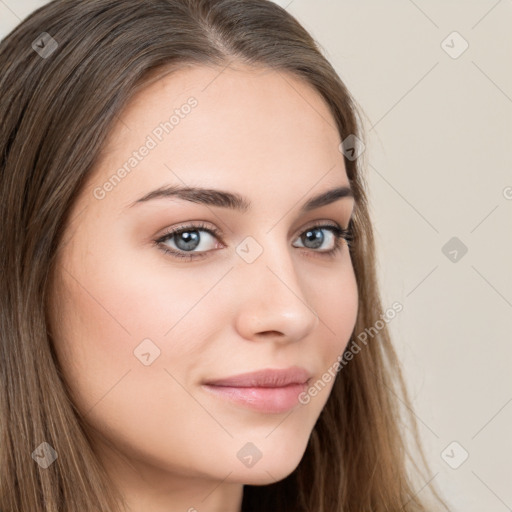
272, 298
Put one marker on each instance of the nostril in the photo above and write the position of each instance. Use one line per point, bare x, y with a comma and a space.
271, 333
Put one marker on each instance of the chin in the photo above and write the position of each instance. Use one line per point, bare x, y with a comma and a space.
274, 465
264, 476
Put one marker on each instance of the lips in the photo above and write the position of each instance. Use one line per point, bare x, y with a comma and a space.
267, 378
267, 391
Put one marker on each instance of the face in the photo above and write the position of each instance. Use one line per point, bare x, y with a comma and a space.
144, 318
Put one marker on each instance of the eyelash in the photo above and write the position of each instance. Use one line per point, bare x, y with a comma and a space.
339, 234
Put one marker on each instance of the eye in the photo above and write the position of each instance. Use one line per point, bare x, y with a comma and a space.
183, 242
314, 238
187, 239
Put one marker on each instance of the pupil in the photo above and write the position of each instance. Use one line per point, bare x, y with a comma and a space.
187, 240
315, 236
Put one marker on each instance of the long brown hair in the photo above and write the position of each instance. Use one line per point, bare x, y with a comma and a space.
60, 93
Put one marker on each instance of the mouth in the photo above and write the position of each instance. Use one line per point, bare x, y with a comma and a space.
267, 391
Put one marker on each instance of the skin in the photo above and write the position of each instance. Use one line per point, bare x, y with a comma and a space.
165, 441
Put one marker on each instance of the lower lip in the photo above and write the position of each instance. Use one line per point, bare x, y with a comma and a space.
267, 400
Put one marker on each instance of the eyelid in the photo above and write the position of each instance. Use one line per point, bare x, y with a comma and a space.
191, 225
213, 230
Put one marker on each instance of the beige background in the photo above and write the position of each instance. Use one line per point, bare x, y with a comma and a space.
439, 164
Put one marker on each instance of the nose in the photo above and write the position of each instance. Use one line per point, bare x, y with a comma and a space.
270, 301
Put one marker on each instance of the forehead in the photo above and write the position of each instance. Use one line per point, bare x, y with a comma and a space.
247, 125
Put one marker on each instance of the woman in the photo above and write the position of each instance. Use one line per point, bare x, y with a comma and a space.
190, 317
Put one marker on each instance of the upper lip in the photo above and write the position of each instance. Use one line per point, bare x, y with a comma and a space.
267, 378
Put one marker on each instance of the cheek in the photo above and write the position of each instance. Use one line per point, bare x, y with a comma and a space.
336, 298
332, 292
106, 311
116, 309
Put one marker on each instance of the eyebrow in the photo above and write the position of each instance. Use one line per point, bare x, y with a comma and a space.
234, 201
